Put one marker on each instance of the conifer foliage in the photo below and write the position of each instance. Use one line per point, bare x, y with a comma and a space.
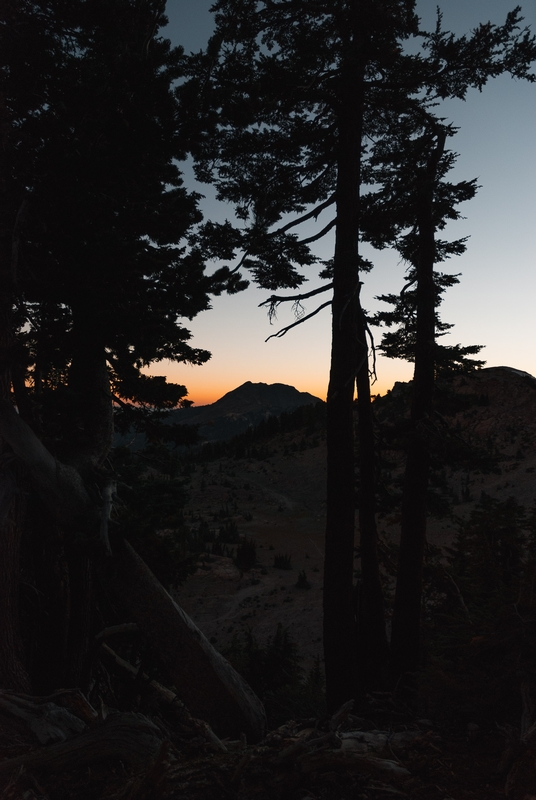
98, 272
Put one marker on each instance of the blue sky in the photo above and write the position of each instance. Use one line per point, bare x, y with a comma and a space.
494, 303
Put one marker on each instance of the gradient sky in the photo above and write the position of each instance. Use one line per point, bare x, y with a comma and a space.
493, 305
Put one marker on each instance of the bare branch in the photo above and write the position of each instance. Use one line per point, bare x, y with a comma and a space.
372, 371
314, 213
275, 299
320, 234
107, 494
408, 286
282, 332
240, 263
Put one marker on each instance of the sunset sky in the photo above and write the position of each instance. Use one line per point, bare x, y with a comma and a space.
495, 302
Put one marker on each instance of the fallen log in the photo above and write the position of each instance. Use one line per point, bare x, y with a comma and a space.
128, 737
50, 719
170, 698
209, 686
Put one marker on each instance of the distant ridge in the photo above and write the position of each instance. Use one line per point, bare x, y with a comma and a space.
242, 408
519, 372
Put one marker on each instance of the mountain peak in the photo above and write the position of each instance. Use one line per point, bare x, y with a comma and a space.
244, 407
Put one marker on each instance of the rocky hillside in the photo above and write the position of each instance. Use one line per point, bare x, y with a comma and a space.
275, 495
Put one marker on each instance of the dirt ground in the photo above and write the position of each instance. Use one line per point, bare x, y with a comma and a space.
279, 505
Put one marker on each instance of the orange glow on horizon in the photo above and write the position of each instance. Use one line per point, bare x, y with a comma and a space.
205, 395
219, 376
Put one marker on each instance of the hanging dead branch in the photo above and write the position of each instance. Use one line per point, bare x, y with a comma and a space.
285, 330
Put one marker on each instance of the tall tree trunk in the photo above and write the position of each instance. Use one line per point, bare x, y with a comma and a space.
89, 445
339, 619
12, 672
373, 647
405, 640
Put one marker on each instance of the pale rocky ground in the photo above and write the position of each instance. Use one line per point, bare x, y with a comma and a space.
280, 504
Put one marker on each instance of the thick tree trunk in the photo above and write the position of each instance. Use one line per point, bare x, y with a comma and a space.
12, 671
405, 640
13, 674
340, 655
354, 654
91, 437
60, 486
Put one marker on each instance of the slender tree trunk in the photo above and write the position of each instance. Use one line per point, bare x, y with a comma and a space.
405, 640
373, 647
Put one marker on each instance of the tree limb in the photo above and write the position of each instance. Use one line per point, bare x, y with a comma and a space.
275, 299
282, 332
321, 233
60, 486
310, 214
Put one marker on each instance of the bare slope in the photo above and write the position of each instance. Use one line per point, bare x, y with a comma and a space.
278, 501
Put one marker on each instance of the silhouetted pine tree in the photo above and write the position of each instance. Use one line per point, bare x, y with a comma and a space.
290, 94
96, 271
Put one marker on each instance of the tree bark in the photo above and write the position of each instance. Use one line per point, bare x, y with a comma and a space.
60, 486
340, 655
355, 654
12, 670
91, 435
405, 640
